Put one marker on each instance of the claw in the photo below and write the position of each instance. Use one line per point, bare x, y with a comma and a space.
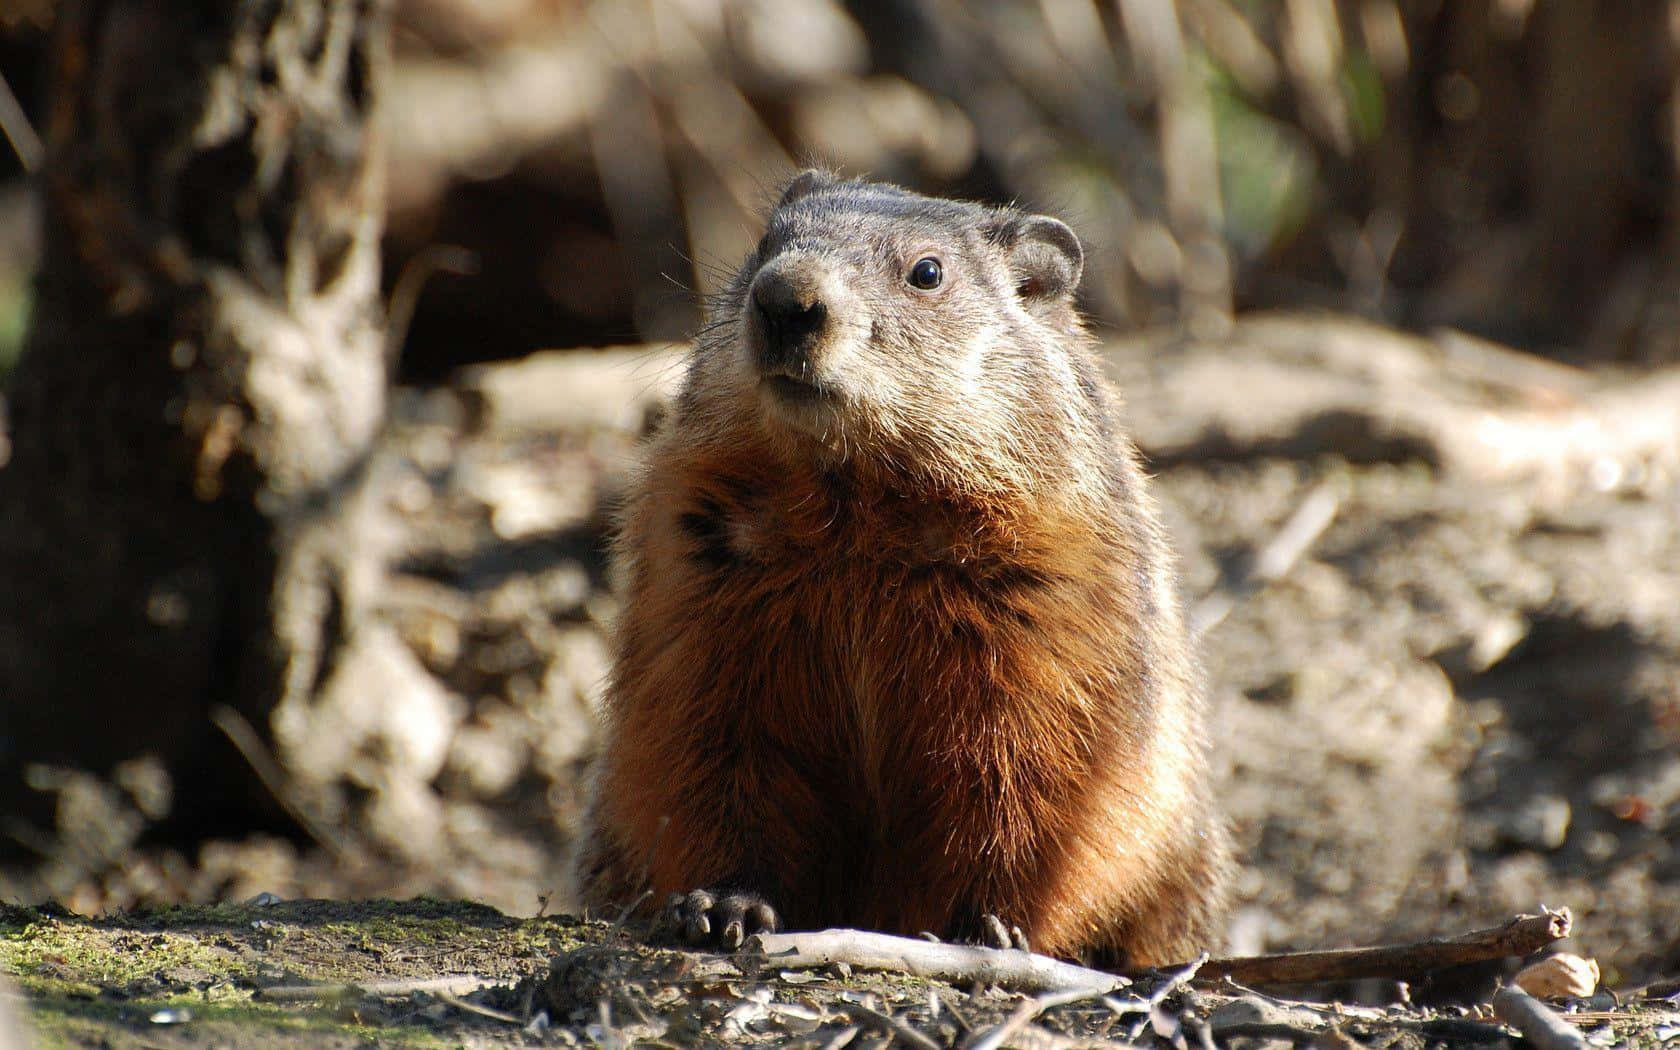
701, 917
733, 935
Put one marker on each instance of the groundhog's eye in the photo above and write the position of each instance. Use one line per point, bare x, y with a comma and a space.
926, 274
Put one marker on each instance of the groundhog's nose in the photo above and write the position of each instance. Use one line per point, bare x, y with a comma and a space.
790, 315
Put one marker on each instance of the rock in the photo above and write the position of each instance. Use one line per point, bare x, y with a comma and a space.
1560, 976
1538, 822
1253, 1010
551, 389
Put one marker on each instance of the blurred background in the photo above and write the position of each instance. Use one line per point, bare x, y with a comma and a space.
1503, 167
1391, 287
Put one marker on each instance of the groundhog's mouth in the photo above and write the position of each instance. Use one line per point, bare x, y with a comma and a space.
796, 391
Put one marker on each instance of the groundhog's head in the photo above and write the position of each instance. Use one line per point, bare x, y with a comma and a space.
937, 335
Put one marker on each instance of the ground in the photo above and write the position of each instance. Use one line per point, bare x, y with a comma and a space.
1439, 586
430, 973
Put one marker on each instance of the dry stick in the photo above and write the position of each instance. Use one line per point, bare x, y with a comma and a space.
246, 741
1539, 1023
474, 1008
1159, 995
1273, 561
624, 915
956, 1014
993, 1038
889, 1024
1010, 967
842, 1038
439, 986
996, 1036
644, 878
405, 294
14, 124
1523, 935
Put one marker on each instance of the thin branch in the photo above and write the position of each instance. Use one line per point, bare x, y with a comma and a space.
1523, 935
842, 1038
957, 1015
1159, 995
1031, 1010
474, 1008
643, 878
1273, 561
624, 914
14, 123
451, 987
1539, 1023
405, 294
245, 739
889, 1024
1009, 968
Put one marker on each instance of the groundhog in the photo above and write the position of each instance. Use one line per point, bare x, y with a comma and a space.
900, 647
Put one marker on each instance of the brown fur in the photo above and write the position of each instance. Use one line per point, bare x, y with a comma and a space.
912, 655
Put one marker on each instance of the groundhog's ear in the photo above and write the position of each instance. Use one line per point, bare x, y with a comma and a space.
1045, 257
803, 183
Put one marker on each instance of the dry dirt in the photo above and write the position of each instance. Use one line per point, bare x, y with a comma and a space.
430, 973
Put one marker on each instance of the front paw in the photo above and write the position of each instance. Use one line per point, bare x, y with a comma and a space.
704, 917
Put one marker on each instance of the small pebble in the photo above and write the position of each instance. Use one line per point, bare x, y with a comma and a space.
1254, 1010
1539, 822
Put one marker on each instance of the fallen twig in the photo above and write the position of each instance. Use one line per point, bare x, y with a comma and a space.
474, 1008
1030, 1010
1273, 561
963, 1023
405, 294
1523, 935
842, 1038
1539, 1023
279, 784
889, 1024
1159, 995
624, 915
439, 986
998, 1034
1007, 967
14, 123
